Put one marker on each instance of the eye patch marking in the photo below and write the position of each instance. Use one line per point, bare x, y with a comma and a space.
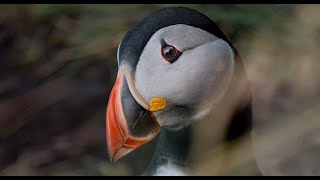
169, 52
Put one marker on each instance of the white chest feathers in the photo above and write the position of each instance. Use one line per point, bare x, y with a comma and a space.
169, 170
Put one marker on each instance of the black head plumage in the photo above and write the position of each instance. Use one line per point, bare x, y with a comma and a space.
138, 36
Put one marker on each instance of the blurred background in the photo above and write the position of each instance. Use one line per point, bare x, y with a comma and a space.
58, 65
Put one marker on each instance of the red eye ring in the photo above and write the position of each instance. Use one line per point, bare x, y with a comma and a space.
169, 52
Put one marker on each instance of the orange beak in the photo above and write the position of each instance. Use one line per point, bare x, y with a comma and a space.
128, 125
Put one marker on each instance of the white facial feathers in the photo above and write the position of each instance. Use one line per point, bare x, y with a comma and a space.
204, 68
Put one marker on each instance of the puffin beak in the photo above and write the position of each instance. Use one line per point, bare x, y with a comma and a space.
128, 124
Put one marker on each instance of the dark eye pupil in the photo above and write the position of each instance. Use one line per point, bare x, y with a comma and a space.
168, 52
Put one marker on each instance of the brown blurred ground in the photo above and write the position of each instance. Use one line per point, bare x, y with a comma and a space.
58, 64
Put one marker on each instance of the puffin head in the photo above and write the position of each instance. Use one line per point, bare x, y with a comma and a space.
174, 66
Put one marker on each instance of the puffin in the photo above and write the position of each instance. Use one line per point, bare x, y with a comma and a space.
176, 69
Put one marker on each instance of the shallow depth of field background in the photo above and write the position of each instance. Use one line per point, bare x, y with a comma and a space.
58, 65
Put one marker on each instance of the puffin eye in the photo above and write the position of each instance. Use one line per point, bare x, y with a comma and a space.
168, 52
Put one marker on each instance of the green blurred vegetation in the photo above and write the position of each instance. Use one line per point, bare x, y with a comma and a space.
58, 64
95, 30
